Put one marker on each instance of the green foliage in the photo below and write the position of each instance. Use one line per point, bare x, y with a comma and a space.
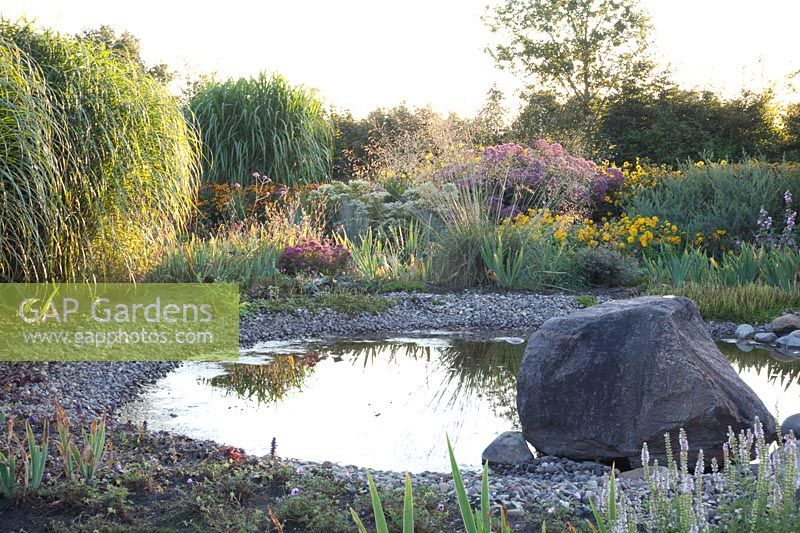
475, 521
8, 474
350, 303
248, 257
398, 255
262, 125
791, 131
77, 462
748, 304
505, 266
731, 196
777, 268
753, 496
128, 46
668, 125
547, 116
356, 207
586, 300
37, 457
100, 166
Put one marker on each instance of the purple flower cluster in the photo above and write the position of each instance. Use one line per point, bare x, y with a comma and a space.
765, 234
314, 257
527, 174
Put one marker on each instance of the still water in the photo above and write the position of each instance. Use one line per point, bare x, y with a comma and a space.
385, 404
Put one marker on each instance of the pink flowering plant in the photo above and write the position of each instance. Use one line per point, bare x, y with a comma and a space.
543, 174
312, 257
773, 237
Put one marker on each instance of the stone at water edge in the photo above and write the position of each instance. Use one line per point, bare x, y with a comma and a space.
765, 338
791, 424
744, 332
598, 383
785, 324
790, 341
509, 448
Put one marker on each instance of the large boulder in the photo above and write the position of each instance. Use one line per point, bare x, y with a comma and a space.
598, 383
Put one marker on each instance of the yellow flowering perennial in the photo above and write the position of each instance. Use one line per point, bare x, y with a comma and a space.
629, 233
625, 233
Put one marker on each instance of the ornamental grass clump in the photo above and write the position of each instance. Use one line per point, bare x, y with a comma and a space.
264, 125
99, 165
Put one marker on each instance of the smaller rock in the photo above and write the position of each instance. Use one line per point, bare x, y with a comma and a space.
744, 332
510, 448
789, 341
791, 424
785, 324
766, 338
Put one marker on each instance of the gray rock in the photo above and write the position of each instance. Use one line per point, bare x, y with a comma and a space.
598, 383
744, 332
765, 338
509, 448
785, 324
791, 424
744, 346
639, 473
789, 341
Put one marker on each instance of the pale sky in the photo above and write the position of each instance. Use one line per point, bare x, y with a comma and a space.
362, 54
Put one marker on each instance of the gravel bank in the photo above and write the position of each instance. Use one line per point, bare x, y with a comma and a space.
414, 312
88, 389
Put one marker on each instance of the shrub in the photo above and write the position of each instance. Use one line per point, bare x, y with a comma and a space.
604, 266
676, 125
314, 257
586, 300
100, 166
263, 125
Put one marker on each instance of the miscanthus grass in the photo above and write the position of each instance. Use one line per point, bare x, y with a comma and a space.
99, 166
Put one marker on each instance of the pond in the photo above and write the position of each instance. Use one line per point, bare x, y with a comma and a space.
386, 404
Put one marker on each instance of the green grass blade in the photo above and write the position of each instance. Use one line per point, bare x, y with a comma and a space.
463, 500
357, 520
408, 507
377, 508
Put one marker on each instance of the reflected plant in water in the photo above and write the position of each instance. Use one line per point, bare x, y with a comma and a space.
483, 369
267, 383
786, 371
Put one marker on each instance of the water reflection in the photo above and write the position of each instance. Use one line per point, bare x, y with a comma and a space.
468, 370
778, 367
266, 383
388, 405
